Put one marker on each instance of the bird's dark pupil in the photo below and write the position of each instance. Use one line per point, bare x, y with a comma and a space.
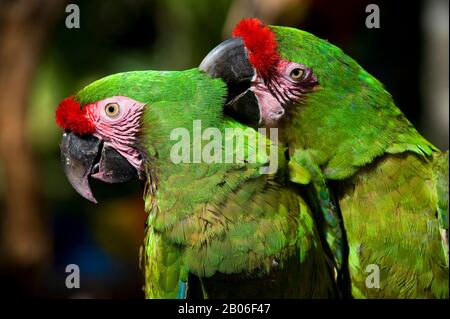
111, 109
296, 73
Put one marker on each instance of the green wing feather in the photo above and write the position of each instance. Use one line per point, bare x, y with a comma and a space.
390, 215
162, 266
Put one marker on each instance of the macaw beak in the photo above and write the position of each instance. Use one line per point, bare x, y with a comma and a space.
85, 156
229, 61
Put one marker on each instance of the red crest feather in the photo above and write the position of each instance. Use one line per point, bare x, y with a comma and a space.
260, 43
71, 116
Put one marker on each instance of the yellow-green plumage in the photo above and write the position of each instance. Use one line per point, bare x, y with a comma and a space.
389, 211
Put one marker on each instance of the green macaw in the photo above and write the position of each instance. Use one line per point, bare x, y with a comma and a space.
220, 223
390, 184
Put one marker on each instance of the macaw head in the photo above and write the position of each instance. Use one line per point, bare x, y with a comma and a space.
100, 141
114, 127
262, 85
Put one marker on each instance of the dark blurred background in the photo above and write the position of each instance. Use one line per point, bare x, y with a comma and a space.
45, 225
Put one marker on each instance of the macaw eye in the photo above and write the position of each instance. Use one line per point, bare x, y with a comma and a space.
296, 74
112, 109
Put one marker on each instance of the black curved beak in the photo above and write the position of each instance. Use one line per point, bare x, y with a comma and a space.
83, 157
229, 61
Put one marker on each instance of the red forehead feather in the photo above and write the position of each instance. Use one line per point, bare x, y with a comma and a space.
260, 43
70, 116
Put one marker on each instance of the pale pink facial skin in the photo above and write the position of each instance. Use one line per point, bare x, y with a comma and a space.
277, 93
119, 131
